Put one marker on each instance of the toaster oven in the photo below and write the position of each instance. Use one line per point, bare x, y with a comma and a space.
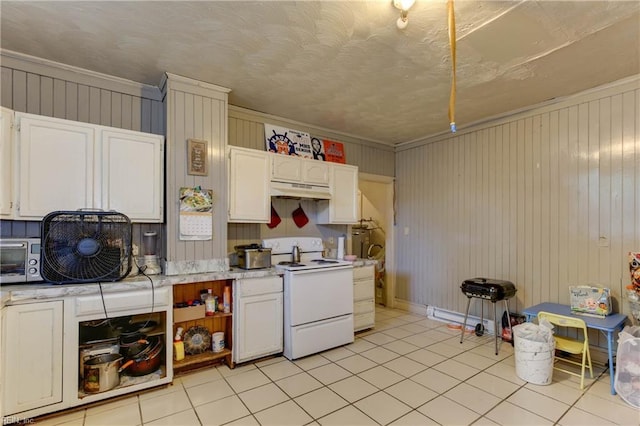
19, 260
253, 256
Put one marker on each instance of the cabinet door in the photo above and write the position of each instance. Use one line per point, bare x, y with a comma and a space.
286, 169
32, 356
343, 206
56, 163
258, 321
249, 197
6, 170
132, 174
315, 172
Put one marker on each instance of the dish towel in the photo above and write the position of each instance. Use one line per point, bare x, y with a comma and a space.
299, 217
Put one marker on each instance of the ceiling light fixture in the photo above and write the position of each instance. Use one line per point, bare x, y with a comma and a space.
404, 6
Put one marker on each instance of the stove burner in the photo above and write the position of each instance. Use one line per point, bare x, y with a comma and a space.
324, 261
291, 264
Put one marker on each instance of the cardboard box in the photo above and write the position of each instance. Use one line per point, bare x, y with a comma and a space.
190, 313
594, 301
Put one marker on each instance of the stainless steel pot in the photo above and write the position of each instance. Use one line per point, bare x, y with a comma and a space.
101, 373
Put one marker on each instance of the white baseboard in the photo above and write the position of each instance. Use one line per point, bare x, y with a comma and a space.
443, 315
414, 308
599, 355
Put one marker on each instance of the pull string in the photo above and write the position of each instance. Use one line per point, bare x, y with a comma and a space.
452, 45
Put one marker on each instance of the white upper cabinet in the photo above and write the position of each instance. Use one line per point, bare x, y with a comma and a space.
249, 197
67, 165
343, 206
299, 170
285, 168
6, 163
56, 166
133, 174
315, 172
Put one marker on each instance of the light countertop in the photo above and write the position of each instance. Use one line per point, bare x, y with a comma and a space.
10, 294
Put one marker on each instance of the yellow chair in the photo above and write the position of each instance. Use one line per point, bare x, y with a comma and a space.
570, 345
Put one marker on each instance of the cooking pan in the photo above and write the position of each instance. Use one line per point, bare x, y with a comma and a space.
98, 330
101, 373
132, 344
145, 361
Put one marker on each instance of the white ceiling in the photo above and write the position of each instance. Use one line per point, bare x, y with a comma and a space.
344, 65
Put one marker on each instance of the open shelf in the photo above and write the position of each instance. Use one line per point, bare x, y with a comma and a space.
198, 360
219, 322
126, 380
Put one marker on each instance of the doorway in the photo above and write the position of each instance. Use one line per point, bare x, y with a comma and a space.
372, 237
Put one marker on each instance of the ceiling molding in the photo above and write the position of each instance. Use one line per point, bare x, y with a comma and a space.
628, 83
248, 114
32, 64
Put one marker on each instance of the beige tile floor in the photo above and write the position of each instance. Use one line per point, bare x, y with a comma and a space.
407, 371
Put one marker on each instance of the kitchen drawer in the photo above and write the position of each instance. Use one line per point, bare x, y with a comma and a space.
124, 301
363, 272
364, 307
360, 322
363, 290
255, 286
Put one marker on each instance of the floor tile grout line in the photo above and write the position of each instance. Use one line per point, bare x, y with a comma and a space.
352, 374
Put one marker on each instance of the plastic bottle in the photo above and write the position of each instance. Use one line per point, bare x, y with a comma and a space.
226, 299
178, 345
340, 255
209, 304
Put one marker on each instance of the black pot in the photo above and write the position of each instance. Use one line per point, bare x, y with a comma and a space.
132, 344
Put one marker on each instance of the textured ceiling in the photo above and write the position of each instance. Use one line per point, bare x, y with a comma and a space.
343, 65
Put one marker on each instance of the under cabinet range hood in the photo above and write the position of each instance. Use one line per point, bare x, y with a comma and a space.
300, 190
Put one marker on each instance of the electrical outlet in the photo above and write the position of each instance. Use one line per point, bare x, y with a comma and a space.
406, 230
331, 240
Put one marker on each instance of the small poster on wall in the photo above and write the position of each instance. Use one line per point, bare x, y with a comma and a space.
282, 140
334, 151
317, 148
197, 157
196, 213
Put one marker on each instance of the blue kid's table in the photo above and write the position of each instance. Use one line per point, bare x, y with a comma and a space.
608, 325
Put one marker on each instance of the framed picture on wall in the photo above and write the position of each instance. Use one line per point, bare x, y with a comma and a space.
197, 157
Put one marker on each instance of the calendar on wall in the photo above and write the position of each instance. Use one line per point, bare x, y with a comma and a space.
196, 214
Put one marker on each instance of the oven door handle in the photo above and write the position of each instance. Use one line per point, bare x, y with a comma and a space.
319, 270
13, 245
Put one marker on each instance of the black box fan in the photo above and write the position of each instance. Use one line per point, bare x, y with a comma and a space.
85, 246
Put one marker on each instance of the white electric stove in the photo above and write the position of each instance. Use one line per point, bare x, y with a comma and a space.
318, 296
311, 249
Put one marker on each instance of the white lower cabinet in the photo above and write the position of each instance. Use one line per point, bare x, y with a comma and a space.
42, 344
257, 318
364, 310
32, 349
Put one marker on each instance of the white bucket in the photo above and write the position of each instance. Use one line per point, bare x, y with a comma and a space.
217, 341
534, 359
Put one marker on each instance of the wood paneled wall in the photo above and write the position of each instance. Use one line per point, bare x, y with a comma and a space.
38, 87
199, 111
52, 92
547, 199
246, 129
